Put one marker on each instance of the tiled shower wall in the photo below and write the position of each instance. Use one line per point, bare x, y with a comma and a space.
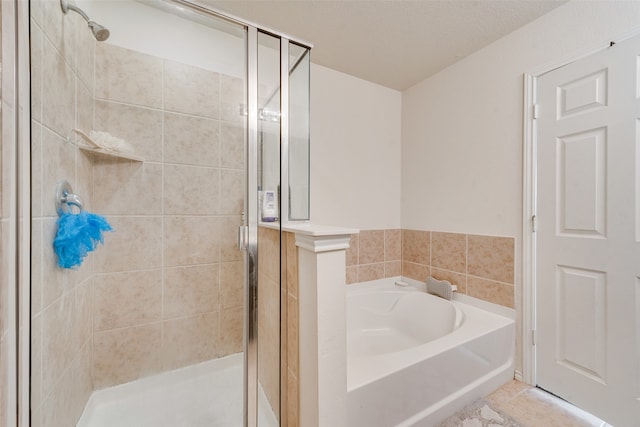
480, 266
61, 338
168, 283
166, 288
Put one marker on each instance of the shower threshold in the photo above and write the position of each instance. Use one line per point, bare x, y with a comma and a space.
203, 395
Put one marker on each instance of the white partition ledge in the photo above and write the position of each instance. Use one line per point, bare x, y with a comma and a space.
322, 323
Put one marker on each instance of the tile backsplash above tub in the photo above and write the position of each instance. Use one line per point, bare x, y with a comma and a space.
480, 266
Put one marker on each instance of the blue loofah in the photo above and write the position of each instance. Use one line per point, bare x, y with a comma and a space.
78, 234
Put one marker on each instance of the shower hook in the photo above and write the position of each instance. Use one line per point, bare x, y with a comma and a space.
65, 198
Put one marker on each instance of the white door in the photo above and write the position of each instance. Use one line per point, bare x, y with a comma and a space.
588, 234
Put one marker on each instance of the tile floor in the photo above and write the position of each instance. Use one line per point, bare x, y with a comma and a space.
532, 407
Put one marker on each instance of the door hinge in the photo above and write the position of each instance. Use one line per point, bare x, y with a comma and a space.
533, 337
535, 110
534, 223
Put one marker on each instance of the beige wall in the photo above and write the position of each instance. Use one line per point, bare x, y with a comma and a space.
462, 132
355, 151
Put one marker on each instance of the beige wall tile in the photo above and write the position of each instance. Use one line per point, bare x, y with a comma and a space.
231, 192
371, 246
58, 347
55, 281
84, 179
127, 188
37, 168
232, 284
292, 334
190, 190
37, 41
6, 159
392, 268
58, 164
352, 252
491, 258
191, 90
231, 330
124, 75
83, 330
141, 128
231, 97
134, 244
458, 279
292, 264
123, 355
268, 338
36, 361
489, 290
352, 275
191, 140
86, 56
370, 272
293, 392
58, 94
190, 340
449, 251
229, 238
415, 271
190, 291
84, 110
127, 299
393, 245
269, 253
232, 145
66, 402
191, 240
60, 29
37, 249
416, 246
36, 11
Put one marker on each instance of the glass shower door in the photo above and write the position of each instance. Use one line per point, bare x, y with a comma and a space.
157, 311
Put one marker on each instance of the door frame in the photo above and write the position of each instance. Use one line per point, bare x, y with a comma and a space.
529, 197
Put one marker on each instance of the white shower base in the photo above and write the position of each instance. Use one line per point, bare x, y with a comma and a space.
206, 394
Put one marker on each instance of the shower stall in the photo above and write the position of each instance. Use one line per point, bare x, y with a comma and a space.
170, 120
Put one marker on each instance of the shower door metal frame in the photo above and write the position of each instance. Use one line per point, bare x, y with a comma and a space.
21, 240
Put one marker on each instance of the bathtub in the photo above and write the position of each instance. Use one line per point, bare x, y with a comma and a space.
413, 359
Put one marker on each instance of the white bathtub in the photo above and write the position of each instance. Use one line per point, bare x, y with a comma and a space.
413, 359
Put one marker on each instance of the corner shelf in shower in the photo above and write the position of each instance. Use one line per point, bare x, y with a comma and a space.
99, 150
108, 153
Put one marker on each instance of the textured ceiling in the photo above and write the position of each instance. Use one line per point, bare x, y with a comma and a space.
395, 43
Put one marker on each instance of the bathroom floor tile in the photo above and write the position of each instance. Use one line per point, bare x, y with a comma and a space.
532, 407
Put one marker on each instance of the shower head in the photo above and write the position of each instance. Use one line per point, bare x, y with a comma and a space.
99, 32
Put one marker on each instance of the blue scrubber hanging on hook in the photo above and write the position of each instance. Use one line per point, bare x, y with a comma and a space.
78, 233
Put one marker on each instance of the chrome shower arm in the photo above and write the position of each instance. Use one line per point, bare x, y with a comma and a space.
66, 6
99, 32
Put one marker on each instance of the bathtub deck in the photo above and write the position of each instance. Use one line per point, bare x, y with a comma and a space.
207, 394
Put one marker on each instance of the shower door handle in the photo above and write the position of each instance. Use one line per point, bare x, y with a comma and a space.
243, 237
